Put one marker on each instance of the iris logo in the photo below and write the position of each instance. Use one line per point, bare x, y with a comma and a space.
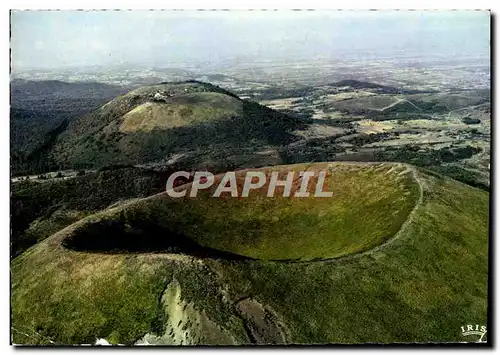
474, 330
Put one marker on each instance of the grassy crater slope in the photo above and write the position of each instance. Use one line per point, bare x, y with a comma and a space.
39, 209
154, 122
368, 206
416, 270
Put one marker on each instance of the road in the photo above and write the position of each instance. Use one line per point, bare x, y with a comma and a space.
50, 176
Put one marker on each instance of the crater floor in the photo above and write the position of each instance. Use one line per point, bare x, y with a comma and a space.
369, 204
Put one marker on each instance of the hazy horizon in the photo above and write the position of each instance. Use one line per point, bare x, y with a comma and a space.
62, 39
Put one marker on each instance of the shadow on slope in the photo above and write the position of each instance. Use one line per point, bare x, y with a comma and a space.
117, 236
257, 127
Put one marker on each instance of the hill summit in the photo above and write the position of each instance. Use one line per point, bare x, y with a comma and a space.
154, 123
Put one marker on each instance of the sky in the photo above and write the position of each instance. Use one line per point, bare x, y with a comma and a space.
62, 39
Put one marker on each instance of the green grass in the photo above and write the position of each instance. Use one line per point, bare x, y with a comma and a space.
421, 287
369, 205
194, 108
77, 298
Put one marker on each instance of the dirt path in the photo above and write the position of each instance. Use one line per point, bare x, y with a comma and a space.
399, 101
